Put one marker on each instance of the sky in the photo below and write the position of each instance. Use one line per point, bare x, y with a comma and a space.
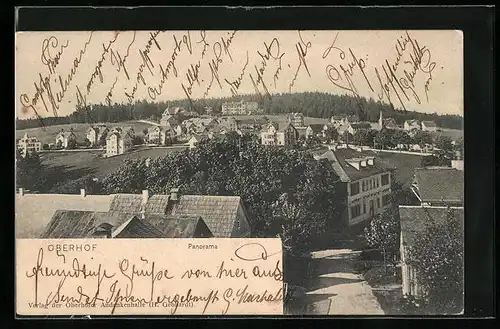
413, 70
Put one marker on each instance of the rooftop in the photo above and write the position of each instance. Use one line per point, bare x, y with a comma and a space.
340, 158
415, 218
440, 184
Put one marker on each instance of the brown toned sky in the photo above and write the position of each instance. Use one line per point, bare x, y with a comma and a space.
433, 84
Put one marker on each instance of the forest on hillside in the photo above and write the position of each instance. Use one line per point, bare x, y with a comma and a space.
311, 104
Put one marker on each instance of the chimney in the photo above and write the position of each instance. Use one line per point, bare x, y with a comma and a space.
174, 194
145, 196
82, 192
21, 191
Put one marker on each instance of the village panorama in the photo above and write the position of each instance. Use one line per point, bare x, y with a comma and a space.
361, 197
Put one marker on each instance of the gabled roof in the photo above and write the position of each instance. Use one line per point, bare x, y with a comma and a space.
412, 122
218, 212
178, 227
66, 134
414, 219
361, 125
440, 184
316, 127
126, 203
67, 224
137, 228
157, 204
345, 171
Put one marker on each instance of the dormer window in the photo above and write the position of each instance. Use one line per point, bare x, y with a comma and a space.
103, 231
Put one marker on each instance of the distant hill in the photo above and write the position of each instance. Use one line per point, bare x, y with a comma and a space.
311, 104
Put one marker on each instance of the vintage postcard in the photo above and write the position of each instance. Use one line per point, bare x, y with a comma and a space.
313, 172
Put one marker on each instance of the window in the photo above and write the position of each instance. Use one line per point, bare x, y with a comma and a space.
386, 199
355, 211
364, 206
354, 188
378, 202
364, 186
385, 179
377, 182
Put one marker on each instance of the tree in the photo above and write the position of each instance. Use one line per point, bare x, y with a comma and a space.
437, 255
45, 146
331, 134
383, 233
422, 138
444, 143
438, 158
137, 140
71, 144
86, 143
364, 137
29, 171
401, 137
384, 138
145, 131
59, 144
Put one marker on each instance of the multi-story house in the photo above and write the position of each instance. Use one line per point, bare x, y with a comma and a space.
64, 138
240, 108
168, 121
96, 134
160, 135
296, 119
366, 182
343, 120
119, 140
429, 126
279, 134
439, 186
440, 191
228, 123
28, 144
315, 130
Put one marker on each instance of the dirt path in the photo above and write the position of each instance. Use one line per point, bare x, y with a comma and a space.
335, 287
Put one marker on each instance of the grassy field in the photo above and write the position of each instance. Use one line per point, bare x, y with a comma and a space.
90, 162
48, 134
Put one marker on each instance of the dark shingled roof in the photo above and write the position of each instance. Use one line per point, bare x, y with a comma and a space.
157, 204
414, 219
128, 203
137, 228
440, 184
66, 224
179, 227
218, 212
316, 127
345, 171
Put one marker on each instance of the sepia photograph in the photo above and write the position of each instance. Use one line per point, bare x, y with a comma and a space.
289, 172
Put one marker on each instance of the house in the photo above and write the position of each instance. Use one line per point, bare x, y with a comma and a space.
196, 139
200, 125
413, 219
387, 123
315, 130
228, 123
439, 186
412, 125
366, 182
279, 134
168, 121
240, 108
97, 134
160, 135
28, 144
172, 111
343, 120
65, 138
353, 127
429, 126
296, 119
119, 140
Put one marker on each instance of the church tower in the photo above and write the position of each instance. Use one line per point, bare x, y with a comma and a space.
380, 121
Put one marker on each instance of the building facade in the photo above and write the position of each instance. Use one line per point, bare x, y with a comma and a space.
28, 144
296, 119
240, 108
281, 135
96, 133
367, 182
64, 138
429, 126
160, 135
412, 125
119, 141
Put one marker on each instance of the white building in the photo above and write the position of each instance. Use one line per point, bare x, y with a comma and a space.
96, 133
367, 182
429, 126
119, 141
240, 108
276, 134
296, 119
28, 144
160, 135
63, 138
